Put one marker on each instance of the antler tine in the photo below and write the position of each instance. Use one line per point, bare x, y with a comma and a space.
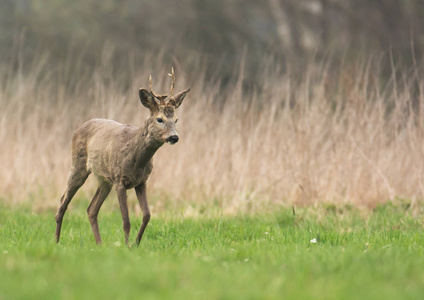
161, 98
172, 75
151, 89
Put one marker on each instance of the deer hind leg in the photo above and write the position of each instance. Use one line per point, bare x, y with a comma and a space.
140, 190
94, 207
122, 197
75, 181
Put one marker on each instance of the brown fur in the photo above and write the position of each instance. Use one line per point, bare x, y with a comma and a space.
119, 155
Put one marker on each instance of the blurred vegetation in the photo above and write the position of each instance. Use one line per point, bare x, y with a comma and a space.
324, 97
219, 33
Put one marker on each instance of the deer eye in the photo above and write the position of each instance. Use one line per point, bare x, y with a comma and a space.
159, 120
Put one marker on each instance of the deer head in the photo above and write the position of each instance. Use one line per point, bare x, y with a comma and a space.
162, 113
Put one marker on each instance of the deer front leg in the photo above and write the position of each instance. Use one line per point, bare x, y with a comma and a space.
122, 197
140, 190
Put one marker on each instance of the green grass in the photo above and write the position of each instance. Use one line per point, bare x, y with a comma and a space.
374, 255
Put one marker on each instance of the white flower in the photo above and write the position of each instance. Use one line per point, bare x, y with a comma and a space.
313, 241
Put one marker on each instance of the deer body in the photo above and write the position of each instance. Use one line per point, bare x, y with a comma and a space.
115, 153
120, 155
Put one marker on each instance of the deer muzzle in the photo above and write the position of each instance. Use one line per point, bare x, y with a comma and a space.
172, 139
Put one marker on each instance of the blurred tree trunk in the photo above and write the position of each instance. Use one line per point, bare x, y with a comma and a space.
325, 23
286, 17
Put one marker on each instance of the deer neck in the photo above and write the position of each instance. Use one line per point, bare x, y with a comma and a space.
146, 145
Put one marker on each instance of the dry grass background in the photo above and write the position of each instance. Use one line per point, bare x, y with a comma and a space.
353, 135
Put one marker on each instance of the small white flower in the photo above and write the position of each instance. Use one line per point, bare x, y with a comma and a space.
313, 241
266, 232
117, 244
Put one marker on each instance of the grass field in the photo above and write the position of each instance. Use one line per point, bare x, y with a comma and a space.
375, 254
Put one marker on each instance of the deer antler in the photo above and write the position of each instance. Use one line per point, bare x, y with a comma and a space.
172, 75
161, 98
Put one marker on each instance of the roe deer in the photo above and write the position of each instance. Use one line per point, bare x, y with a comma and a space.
121, 155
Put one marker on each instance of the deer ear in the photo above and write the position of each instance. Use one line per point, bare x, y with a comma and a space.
178, 98
148, 100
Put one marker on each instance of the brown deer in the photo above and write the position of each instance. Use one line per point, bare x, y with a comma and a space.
121, 155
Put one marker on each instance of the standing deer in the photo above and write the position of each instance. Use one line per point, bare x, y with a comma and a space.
121, 155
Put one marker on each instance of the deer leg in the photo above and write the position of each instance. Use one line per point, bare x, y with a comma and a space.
94, 207
122, 197
140, 190
75, 181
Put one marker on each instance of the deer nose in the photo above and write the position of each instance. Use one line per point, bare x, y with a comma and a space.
172, 139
